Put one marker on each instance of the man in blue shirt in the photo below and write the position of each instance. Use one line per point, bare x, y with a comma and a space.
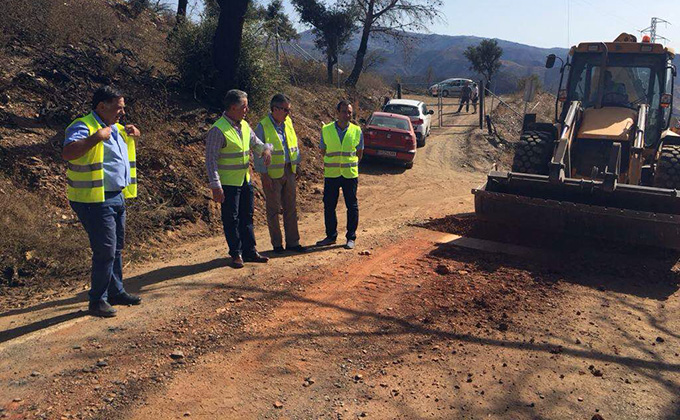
104, 218
348, 182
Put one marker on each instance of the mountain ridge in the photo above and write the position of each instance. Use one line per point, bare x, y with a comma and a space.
428, 58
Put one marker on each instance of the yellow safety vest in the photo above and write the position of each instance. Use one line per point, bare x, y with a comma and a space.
341, 157
276, 168
85, 175
233, 163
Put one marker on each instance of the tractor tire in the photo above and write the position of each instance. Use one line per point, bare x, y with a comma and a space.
667, 173
533, 152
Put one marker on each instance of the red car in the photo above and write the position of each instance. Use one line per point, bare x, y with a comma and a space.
390, 136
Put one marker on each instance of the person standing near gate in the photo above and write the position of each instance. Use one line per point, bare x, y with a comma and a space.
342, 145
279, 178
465, 94
227, 160
475, 97
101, 174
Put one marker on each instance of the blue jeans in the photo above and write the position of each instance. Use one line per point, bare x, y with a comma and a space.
105, 227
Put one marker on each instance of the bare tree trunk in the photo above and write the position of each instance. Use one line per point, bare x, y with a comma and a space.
363, 47
182, 10
227, 40
330, 62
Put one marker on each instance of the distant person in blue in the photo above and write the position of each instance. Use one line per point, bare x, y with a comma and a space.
101, 174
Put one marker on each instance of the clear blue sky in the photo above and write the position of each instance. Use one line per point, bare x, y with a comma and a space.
546, 23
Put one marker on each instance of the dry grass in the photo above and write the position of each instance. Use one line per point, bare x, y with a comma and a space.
509, 124
38, 239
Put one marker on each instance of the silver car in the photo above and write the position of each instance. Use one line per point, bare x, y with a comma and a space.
450, 87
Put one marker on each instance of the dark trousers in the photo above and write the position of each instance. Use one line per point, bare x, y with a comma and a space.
331, 193
105, 227
237, 219
466, 102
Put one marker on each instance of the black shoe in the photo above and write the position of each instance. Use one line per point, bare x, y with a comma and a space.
125, 299
102, 309
278, 250
237, 262
298, 248
256, 258
326, 241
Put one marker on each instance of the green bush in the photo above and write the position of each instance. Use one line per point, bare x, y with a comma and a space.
191, 52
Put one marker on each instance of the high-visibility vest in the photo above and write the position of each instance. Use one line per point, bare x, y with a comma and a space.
233, 163
341, 157
85, 175
276, 167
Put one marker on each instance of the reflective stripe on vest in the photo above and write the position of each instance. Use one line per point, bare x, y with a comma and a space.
233, 162
341, 157
85, 175
276, 168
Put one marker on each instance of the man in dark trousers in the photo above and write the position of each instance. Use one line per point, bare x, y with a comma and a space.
102, 173
342, 145
465, 95
227, 160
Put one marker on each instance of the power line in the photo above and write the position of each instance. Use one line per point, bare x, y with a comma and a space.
607, 12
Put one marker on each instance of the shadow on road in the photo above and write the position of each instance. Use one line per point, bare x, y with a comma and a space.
635, 270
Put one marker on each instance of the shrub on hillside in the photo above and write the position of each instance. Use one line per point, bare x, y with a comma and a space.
191, 52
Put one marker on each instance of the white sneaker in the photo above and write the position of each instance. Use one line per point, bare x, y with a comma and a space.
349, 244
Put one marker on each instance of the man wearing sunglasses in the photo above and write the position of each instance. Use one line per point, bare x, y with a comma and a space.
279, 178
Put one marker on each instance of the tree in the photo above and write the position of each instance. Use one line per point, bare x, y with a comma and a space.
276, 21
485, 58
332, 28
390, 18
227, 40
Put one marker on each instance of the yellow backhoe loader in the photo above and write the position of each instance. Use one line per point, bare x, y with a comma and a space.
609, 166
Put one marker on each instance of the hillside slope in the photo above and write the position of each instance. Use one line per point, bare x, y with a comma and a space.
47, 79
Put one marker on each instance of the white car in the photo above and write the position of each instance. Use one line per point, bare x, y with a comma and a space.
417, 111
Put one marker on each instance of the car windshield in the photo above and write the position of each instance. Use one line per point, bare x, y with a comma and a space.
628, 81
408, 110
388, 122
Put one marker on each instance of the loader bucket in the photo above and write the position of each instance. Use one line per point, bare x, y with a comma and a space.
630, 213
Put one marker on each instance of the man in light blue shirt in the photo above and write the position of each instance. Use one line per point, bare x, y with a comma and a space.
103, 221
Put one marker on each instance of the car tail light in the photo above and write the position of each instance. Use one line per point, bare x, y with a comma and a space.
418, 122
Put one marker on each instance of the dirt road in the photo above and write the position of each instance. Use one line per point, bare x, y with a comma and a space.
441, 322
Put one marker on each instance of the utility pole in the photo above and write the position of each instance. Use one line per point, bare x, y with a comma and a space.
651, 30
337, 64
276, 34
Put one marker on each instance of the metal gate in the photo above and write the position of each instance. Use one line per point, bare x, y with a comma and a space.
446, 107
